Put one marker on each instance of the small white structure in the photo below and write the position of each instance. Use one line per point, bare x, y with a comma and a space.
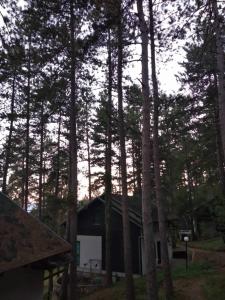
90, 252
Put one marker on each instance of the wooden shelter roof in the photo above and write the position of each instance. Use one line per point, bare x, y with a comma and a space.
24, 239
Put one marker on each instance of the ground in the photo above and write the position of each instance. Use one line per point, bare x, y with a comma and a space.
202, 281
215, 244
188, 289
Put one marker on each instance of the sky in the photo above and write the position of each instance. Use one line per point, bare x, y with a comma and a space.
168, 83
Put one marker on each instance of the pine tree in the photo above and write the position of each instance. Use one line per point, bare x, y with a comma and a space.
161, 213
150, 259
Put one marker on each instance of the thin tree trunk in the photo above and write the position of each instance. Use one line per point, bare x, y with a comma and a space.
108, 170
58, 157
65, 278
149, 240
161, 214
133, 164
138, 168
130, 294
220, 154
27, 149
190, 194
88, 154
72, 189
9, 142
220, 69
50, 285
41, 162
22, 181
119, 178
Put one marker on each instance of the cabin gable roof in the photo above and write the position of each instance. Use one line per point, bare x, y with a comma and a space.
134, 215
24, 239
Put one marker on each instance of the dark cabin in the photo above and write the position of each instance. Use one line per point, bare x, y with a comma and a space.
91, 235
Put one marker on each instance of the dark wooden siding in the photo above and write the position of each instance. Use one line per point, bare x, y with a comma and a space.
91, 221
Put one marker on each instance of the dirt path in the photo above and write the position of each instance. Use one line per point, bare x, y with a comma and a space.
189, 289
216, 258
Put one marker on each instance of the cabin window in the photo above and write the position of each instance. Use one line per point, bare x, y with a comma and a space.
78, 253
159, 252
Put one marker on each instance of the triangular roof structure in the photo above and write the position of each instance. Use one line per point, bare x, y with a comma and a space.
24, 239
134, 208
134, 214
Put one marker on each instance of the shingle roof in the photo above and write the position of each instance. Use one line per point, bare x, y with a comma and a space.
23, 238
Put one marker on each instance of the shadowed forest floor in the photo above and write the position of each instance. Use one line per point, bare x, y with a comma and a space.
199, 282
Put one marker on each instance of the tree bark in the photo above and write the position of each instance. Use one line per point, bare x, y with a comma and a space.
50, 285
161, 214
9, 142
27, 148
220, 69
130, 294
22, 181
72, 189
220, 154
191, 195
138, 167
41, 162
88, 154
149, 241
134, 179
108, 170
58, 157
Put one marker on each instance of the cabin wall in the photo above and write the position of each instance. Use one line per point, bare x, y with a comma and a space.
91, 222
22, 284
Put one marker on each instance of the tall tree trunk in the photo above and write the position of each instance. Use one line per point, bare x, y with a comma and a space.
133, 164
41, 162
72, 189
22, 181
108, 170
27, 147
50, 285
220, 153
161, 214
9, 141
130, 294
149, 241
58, 157
138, 168
88, 154
190, 197
220, 69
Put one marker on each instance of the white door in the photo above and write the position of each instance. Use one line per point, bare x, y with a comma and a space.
90, 249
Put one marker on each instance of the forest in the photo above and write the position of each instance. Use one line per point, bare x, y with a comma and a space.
84, 112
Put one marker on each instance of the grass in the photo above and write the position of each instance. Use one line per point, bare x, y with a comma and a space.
118, 290
194, 270
214, 287
212, 284
215, 244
